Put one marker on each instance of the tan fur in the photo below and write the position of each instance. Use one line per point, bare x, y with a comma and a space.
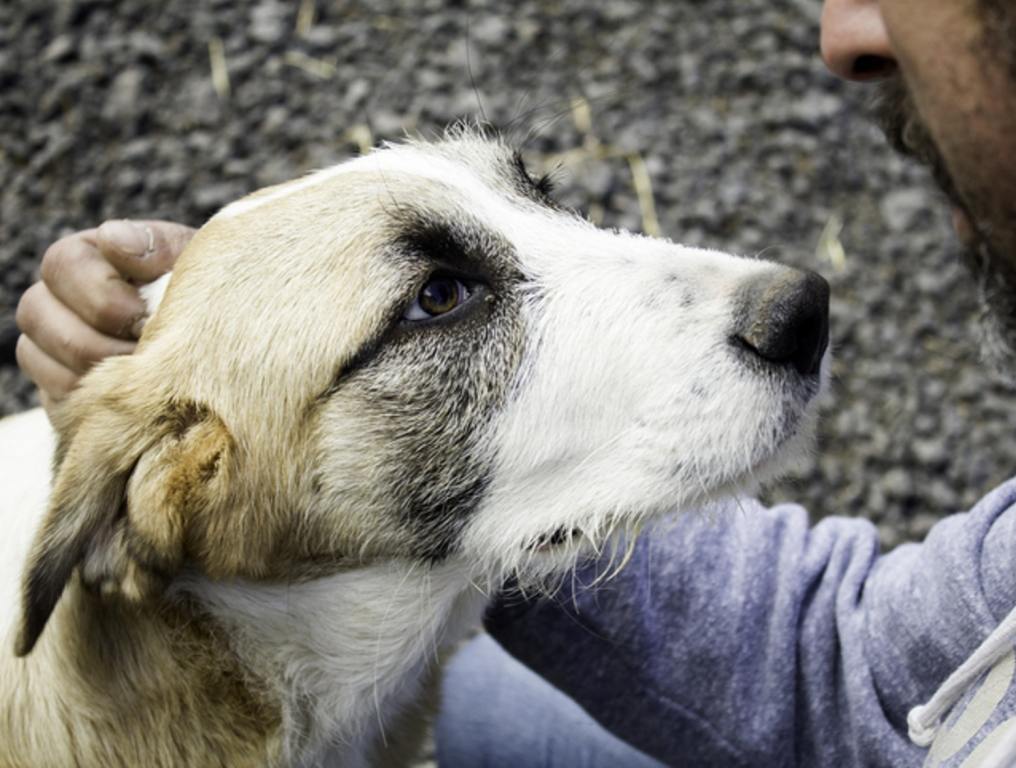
136, 688
163, 462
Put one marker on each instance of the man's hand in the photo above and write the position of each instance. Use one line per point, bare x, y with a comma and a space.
86, 306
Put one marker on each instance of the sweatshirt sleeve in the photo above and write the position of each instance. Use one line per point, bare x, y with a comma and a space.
747, 637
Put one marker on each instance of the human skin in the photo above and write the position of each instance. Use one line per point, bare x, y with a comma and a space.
962, 88
86, 305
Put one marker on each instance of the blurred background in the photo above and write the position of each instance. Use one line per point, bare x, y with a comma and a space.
711, 122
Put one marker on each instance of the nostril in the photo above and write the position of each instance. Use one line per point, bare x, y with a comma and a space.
811, 337
786, 321
870, 67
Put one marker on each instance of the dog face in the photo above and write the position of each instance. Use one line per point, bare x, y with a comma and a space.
416, 354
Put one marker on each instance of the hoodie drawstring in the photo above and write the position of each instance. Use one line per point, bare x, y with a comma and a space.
924, 721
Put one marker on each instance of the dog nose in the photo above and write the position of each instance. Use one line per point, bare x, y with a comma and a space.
785, 319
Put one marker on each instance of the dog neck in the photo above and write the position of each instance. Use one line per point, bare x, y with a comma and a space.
159, 677
346, 654
336, 670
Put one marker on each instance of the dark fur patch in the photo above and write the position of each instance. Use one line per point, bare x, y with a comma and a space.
440, 521
180, 415
43, 588
426, 390
539, 189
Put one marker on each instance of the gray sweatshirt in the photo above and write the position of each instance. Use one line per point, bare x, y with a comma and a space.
747, 637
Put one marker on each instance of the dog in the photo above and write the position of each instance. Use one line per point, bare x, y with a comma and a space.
367, 398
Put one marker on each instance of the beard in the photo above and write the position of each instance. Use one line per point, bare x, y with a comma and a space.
896, 115
997, 321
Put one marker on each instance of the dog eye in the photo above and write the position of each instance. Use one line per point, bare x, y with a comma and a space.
439, 296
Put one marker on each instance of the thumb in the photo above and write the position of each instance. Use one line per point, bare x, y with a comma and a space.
142, 250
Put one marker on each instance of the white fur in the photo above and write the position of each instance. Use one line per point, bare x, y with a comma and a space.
608, 409
350, 650
153, 292
26, 449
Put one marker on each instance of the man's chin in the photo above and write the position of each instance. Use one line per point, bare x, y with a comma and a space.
997, 348
998, 309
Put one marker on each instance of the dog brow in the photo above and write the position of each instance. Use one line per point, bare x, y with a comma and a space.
441, 243
459, 243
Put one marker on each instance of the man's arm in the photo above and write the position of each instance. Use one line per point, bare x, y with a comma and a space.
749, 638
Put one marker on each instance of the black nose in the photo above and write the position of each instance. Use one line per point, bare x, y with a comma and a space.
784, 319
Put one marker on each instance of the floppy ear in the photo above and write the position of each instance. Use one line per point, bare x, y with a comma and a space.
123, 497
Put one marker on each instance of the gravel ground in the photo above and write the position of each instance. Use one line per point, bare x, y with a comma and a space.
131, 108
141, 109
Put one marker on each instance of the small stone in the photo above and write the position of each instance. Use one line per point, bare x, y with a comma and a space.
387, 124
930, 451
146, 46
488, 29
902, 207
598, 178
356, 92
889, 536
59, 49
123, 99
896, 482
269, 22
321, 37
211, 197
922, 523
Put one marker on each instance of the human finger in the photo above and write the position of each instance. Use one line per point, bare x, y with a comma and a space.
54, 380
77, 274
62, 334
143, 250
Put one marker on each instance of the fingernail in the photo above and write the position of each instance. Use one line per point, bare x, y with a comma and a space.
134, 239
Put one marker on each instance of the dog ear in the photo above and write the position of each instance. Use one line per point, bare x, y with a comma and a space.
122, 502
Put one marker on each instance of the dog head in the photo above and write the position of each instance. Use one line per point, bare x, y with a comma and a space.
417, 354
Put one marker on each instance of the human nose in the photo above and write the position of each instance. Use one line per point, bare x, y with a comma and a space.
855, 43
